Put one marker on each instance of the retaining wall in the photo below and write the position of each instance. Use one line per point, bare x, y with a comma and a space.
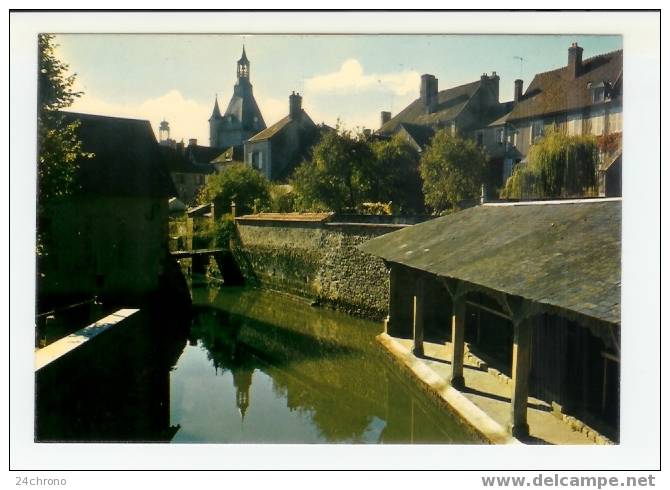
317, 260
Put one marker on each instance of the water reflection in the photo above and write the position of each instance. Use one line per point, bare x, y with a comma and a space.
246, 366
294, 374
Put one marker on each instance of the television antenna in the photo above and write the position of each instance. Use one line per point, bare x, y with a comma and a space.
521, 60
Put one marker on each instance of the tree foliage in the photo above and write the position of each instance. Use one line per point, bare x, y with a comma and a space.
249, 189
348, 170
452, 170
558, 166
339, 176
398, 182
59, 147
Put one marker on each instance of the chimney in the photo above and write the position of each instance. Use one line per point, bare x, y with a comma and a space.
428, 93
575, 61
386, 117
494, 83
294, 105
518, 90
192, 142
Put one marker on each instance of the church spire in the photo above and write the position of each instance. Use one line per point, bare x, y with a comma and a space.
243, 66
216, 113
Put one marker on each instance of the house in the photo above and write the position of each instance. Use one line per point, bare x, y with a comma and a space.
188, 174
534, 288
461, 110
110, 238
277, 150
242, 118
585, 97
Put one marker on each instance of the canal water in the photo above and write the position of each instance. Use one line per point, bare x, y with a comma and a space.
263, 367
246, 366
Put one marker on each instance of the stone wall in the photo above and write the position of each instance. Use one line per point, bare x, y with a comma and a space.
317, 260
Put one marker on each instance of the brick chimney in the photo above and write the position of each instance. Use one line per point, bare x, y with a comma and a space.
518, 90
575, 60
385, 117
428, 93
294, 105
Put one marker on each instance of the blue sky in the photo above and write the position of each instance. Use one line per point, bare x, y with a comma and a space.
348, 77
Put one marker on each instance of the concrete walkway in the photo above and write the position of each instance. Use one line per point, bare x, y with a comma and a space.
491, 392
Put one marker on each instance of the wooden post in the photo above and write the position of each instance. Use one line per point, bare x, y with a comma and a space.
387, 320
520, 377
419, 314
457, 341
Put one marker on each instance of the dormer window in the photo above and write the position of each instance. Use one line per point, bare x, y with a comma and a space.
598, 91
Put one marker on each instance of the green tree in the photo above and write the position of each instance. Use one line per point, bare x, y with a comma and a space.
341, 174
248, 188
452, 169
558, 166
59, 148
398, 181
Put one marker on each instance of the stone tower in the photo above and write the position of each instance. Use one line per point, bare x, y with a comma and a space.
242, 118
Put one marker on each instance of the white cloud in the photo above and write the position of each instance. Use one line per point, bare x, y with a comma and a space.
351, 78
187, 117
272, 108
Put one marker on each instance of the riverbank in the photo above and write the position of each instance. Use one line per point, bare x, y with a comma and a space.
484, 404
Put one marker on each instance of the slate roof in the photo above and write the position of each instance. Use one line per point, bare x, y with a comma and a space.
555, 91
243, 107
277, 127
450, 103
420, 134
127, 160
202, 154
178, 162
563, 254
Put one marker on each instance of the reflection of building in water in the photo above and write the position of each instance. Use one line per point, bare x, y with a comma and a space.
242, 378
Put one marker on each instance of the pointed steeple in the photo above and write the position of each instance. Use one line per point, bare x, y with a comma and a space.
244, 58
243, 67
216, 113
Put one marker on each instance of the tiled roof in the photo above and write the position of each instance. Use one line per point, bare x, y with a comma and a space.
555, 91
294, 217
450, 103
565, 255
127, 160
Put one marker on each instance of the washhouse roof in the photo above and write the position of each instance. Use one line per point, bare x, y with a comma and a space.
563, 254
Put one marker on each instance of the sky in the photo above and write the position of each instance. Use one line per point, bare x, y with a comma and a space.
350, 78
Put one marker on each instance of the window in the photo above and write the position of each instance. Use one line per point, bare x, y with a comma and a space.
537, 130
500, 136
598, 94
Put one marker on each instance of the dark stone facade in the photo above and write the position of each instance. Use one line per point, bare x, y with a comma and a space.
319, 261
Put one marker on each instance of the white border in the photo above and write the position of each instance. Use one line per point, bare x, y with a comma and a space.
640, 311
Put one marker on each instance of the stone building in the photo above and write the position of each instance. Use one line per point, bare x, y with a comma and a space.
277, 150
532, 288
110, 238
461, 110
584, 97
242, 118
